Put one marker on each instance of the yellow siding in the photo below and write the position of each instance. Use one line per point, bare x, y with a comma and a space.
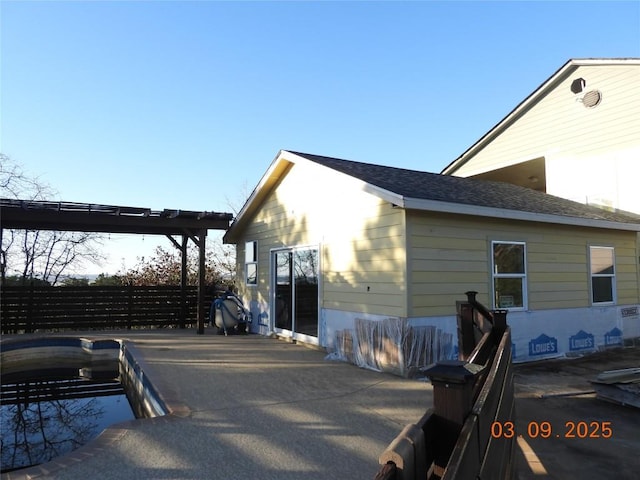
597, 148
362, 239
559, 124
384, 260
446, 259
450, 254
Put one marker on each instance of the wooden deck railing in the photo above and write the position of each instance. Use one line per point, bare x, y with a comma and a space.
453, 440
28, 309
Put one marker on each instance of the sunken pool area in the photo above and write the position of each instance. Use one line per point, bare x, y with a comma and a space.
60, 393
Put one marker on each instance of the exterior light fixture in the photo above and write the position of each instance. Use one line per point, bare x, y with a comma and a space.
590, 99
578, 85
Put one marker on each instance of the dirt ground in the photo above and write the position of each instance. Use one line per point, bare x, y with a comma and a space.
549, 391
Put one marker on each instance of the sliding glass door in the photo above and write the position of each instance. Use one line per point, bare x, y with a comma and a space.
294, 284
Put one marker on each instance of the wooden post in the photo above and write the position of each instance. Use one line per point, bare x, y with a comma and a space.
183, 283
129, 306
202, 238
482, 310
29, 322
183, 275
453, 383
466, 336
499, 322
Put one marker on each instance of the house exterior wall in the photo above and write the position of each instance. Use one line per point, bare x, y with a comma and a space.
372, 270
591, 154
451, 254
384, 265
360, 237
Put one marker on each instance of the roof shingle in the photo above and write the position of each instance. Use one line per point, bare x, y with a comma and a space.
417, 184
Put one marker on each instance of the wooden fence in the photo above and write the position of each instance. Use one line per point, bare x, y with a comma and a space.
457, 438
31, 308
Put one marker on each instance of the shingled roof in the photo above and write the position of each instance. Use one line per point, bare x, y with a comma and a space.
419, 185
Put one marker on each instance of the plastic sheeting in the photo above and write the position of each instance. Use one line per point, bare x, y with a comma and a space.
392, 345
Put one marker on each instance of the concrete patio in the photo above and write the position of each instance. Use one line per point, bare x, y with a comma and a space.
248, 407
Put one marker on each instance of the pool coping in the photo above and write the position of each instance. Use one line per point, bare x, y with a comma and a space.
165, 397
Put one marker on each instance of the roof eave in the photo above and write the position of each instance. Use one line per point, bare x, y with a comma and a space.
511, 117
270, 177
382, 193
273, 174
464, 209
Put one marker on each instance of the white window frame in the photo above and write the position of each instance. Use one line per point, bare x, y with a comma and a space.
602, 275
251, 263
523, 276
272, 295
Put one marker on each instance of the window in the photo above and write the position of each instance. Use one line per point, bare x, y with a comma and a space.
251, 263
603, 274
509, 275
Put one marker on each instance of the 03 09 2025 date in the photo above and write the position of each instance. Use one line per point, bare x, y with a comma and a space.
544, 429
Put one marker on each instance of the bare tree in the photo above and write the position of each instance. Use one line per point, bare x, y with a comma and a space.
15, 183
223, 255
49, 255
48, 416
46, 255
222, 258
241, 196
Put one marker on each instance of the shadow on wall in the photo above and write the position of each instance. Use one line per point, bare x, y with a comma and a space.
363, 289
274, 227
377, 333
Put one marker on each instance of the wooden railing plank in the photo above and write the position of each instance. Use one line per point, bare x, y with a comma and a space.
388, 471
469, 396
488, 402
465, 459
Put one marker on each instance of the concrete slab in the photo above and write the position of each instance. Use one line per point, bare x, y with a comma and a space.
558, 393
248, 407
254, 407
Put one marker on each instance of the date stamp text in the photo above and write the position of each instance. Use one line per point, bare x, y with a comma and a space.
544, 429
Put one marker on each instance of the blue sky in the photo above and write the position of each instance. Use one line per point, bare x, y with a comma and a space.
185, 104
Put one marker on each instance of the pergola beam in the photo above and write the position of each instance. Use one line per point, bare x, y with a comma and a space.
96, 222
84, 217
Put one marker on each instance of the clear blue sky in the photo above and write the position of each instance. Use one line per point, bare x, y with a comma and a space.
185, 104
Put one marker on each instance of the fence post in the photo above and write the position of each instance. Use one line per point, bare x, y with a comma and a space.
471, 298
130, 306
466, 340
183, 282
499, 322
29, 322
453, 391
202, 239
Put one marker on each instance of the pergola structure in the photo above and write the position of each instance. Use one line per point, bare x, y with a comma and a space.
85, 217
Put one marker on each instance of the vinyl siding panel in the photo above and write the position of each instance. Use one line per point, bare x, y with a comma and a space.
362, 239
450, 254
560, 125
597, 148
365, 261
446, 258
